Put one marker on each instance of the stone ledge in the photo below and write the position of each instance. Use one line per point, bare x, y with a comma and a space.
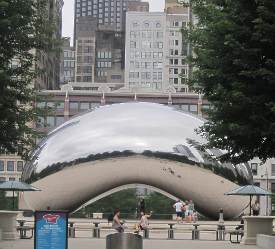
265, 241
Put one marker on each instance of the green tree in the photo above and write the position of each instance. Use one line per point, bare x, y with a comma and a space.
234, 60
161, 205
24, 26
127, 202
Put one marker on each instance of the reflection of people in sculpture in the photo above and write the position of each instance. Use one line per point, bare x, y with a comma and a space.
142, 206
117, 224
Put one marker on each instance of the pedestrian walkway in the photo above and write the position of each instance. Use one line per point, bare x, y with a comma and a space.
85, 243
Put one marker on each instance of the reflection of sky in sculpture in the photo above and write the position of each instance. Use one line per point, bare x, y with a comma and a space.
130, 126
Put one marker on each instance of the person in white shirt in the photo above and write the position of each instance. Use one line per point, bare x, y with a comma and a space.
178, 207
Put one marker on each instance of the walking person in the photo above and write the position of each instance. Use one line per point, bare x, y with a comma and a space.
178, 207
117, 224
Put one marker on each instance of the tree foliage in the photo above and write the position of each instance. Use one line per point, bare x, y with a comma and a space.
24, 27
234, 60
127, 202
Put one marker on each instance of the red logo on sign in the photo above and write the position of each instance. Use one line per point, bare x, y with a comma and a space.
51, 218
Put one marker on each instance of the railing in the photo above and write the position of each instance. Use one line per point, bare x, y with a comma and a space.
98, 228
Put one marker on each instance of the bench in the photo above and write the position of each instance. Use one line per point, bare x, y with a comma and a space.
23, 232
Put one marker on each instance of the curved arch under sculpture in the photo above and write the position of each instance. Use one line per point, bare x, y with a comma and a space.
133, 143
124, 187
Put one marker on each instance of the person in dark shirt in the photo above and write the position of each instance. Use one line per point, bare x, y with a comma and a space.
142, 206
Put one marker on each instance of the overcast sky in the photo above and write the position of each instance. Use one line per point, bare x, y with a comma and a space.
68, 14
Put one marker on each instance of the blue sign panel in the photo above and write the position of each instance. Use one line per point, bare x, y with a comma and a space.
51, 230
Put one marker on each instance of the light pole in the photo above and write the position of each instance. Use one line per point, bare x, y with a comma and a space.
267, 199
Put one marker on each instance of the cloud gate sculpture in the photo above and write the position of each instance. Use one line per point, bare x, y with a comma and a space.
131, 143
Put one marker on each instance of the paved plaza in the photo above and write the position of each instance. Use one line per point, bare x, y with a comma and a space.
88, 243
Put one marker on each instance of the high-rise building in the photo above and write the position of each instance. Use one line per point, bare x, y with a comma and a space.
137, 6
49, 62
156, 51
67, 64
106, 12
85, 49
174, 5
145, 51
176, 68
109, 66
103, 23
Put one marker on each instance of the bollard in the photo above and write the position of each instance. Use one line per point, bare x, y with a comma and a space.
195, 234
96, 232
146, 233
124, 241
221, 220
71, 230
170, 233
220, 233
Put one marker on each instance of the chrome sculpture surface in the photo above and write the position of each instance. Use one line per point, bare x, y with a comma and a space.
131, 143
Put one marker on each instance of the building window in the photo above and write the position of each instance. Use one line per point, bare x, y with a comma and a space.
273, 169
73, 105
40, 122
60, 106
2, 168
59, 120
12, 179
2, 179
84, 106
193, 108
10, 166
50, 121
19, 166
41, 104
254, 168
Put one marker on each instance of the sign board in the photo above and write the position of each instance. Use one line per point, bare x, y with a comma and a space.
51, 230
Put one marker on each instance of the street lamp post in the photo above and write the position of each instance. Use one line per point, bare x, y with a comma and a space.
267, 198
267, 188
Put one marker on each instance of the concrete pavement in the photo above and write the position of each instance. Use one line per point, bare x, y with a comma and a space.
88, 243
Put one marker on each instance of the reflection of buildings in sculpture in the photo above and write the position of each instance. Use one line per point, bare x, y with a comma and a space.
131, 143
